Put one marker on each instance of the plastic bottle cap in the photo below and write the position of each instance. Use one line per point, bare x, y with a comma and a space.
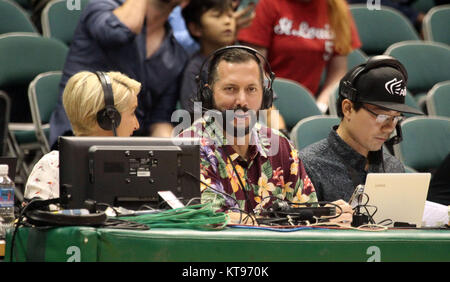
4, 169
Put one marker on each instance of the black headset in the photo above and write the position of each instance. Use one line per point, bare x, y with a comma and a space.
204, 92
109, 117
348, 90
346, 86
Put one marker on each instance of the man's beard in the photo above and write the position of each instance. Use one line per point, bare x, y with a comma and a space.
228, 118
225, 120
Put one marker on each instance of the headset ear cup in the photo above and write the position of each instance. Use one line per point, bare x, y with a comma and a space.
107, 117
206, 97
267, 99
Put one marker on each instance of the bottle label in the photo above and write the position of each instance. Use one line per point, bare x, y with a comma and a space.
6, 197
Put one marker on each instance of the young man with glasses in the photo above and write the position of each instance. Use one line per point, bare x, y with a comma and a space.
370, 112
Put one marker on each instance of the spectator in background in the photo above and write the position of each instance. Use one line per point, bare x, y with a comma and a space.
181, 32
213, 24
132, 37
302, 38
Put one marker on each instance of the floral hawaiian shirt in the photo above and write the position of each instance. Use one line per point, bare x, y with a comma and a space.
272, 171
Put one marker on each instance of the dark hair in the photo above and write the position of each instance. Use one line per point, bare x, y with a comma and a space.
232, 55
356, 105
193, 12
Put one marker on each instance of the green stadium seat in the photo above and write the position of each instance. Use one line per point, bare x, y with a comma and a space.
425, 142
60, 22
14, 18
438, 100
435, 24
427, 63
294, 102
378, 29
312, 129
43, 94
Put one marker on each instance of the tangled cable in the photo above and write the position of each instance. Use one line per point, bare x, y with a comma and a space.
200, 216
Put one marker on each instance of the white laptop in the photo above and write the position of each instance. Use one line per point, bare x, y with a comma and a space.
398, 196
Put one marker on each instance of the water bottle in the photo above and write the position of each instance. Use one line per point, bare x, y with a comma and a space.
6, 201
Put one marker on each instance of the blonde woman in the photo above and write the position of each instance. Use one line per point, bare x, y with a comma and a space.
83, 99
301, 38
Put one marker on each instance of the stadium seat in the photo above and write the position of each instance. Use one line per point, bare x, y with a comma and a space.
43, 95
438, 99
5, 105
332, 108
294, 101
427, 63
13, 18
312, 129
23, 57
355, 58
60, 22
378, 29
425, 142
435, 24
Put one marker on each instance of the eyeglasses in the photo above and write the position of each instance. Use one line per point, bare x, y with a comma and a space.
382, 119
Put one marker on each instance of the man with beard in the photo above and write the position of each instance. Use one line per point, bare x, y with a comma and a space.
245, 166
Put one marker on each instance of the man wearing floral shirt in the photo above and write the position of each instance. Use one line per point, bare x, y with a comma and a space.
247, 166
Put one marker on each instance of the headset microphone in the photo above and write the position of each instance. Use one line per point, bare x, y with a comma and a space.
397, 138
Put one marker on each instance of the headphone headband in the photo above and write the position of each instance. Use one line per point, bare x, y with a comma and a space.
108, 118
107, 89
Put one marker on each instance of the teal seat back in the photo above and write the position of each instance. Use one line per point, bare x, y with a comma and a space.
44, 89
438, 100
425, 142
60, 22
355, 58
427, 63
378, 29
294, 102
23, 57
43, 94
13, 18
312, 129
436, 24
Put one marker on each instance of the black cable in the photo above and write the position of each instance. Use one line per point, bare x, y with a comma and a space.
34, 203
370, 216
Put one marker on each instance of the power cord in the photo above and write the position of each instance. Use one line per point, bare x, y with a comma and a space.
361, 219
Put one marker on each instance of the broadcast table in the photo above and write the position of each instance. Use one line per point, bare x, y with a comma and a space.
88, 244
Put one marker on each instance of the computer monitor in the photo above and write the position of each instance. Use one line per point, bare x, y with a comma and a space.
127, 171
